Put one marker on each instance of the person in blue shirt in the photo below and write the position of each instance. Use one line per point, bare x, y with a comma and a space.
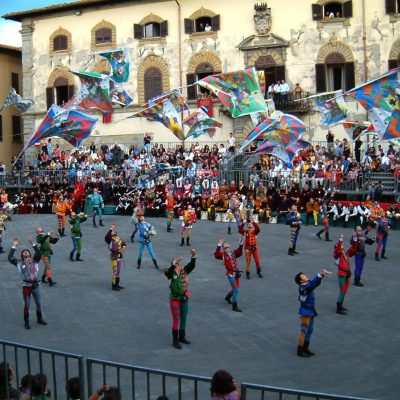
307, 310
97, 207
294, 221
146, 231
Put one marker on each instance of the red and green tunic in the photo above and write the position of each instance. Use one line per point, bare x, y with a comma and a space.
179, 283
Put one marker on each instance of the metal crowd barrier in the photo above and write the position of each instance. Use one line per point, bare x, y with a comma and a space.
251, 391
134, 382
146, 383
58, 366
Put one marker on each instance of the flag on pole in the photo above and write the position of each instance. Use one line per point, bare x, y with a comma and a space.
200, 123
175, 97
331, 106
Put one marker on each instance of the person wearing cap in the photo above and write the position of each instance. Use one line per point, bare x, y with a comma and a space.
76, 235
28, 267
117, 248
294, 221
224, 252
307, 311
179, 297
342, 258
250, 230
97, 206
45, 241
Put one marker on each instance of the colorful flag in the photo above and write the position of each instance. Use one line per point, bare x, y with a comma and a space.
165, 113
200, 123
155, 172
378, 93
258, 117
238, 91
120, 64
258, 132
277, 150
206, 104
13, 98
121, 97
94, 91
175, 97
333, 109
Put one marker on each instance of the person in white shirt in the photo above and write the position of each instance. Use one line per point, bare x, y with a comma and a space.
284, 90
207, 28
384, 163
221, 150
231, 143
363, 212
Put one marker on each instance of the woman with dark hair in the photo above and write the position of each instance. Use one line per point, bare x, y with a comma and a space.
223, 386
6, 376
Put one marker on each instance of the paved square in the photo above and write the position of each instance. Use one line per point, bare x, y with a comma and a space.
357, 354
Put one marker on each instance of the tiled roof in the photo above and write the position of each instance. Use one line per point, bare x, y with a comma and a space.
6, 47
15, 51
20, 15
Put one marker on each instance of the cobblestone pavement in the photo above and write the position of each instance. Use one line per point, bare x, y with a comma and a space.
356, 354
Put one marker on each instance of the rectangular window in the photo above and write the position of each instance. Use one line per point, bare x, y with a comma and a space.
1, 128
16, 129
15, 82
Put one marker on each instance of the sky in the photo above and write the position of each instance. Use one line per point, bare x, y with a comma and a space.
9, 30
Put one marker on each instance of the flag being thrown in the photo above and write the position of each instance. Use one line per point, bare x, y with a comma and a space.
121, 97
200, 123
238, 91
13, 98
165, 113
175, 97
332, 110
94, 91
120, 64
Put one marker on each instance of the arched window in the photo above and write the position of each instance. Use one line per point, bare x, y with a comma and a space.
333, 10
103, 35
152, 30
327, 10
60, 91
60, 42
203, 24
152, 83
272, 72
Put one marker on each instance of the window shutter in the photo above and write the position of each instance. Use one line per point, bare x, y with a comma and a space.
215, 23
191, 91
317, 12
15, 81
390, 6
138, 31
392, 64
1, 128
189, 26
49, 96
16, 129
71, 91
164, 29
348, 9
320, 78
280, 73
349, 75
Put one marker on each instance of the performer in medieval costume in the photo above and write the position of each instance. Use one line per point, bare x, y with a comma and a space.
117, 248
62, 209
360, 255
233, 211
45, 241
325, 221
76, 235
169, 209
28, 267
97, 206
344, 274
382, 233
179, 297
294, 221
189, 218
229, 256
307, 311
250, 230
146, 231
